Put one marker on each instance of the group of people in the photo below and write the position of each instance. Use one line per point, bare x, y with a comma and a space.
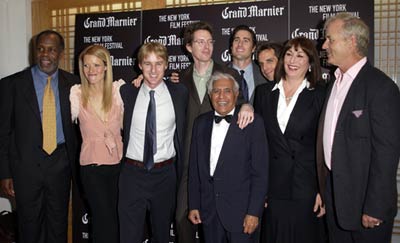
309, 163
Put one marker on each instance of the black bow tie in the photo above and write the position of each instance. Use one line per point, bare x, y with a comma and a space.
218, 119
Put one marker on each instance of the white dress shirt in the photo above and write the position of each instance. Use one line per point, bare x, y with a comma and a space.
165, 123
284, 110
217, 140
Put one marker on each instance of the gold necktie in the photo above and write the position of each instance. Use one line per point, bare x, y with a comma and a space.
49, 119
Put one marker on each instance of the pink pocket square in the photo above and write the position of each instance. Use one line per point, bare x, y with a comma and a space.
357, 113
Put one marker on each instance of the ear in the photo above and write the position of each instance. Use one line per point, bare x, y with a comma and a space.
189, 47
140, 66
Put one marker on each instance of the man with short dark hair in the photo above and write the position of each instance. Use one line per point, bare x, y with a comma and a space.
38, 145
267, 57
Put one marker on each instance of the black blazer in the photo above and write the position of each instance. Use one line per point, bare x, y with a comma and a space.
365, 150
292, 154
179, 97
21, 127
240, 180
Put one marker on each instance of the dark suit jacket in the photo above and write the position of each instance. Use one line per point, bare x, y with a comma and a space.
293, 172
239, 184
194, 109
257, 76
179, 97
21, 126
365, 150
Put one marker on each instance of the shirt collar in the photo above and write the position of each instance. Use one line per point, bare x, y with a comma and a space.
158, 90
352, 71
43, 75
304, 84
208, 71
247, 69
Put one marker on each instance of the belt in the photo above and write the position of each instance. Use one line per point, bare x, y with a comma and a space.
140, 164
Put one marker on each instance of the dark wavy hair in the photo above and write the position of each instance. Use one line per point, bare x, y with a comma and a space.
308, 47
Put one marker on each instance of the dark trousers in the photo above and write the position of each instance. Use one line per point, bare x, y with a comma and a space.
381, 234
142, 191
100, 185
185, 230
42, 191
214, 232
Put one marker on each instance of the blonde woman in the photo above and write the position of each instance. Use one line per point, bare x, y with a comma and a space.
98, 108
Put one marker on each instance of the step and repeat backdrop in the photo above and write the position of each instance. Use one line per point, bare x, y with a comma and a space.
275, 20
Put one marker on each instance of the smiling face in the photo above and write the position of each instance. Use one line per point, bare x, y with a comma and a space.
48, 53
296, 63
242, 46
223, 96
153, 68
267, 61
202, 46
94, 69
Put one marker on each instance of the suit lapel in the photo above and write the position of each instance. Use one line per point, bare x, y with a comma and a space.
129, 97
30, 93
274, 119
303, 103
63, 93
230, 136
350, 97
189, 82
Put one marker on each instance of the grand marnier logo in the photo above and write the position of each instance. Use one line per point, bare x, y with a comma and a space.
312, 34
251, 12
110, 21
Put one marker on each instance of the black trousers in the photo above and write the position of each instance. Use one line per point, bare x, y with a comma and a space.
141, 192
100, 185
214, 232
42, 191
381, 234
185, 230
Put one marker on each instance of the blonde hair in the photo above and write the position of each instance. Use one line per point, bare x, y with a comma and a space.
103, 54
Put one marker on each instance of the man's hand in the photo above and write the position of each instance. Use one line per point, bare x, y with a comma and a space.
174, 77
245, 116
138, 81
194, 216
318, 205
7, 187
370, 222
250, 224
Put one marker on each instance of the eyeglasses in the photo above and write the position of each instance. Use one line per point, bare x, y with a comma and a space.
202, 42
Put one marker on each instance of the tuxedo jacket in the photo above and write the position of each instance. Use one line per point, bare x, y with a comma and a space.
194, 109
239, 184
257, 76
179, 96
365, 150
293, 172
21, 136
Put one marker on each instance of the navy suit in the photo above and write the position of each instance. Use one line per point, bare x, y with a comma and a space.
138, 183
239, 184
